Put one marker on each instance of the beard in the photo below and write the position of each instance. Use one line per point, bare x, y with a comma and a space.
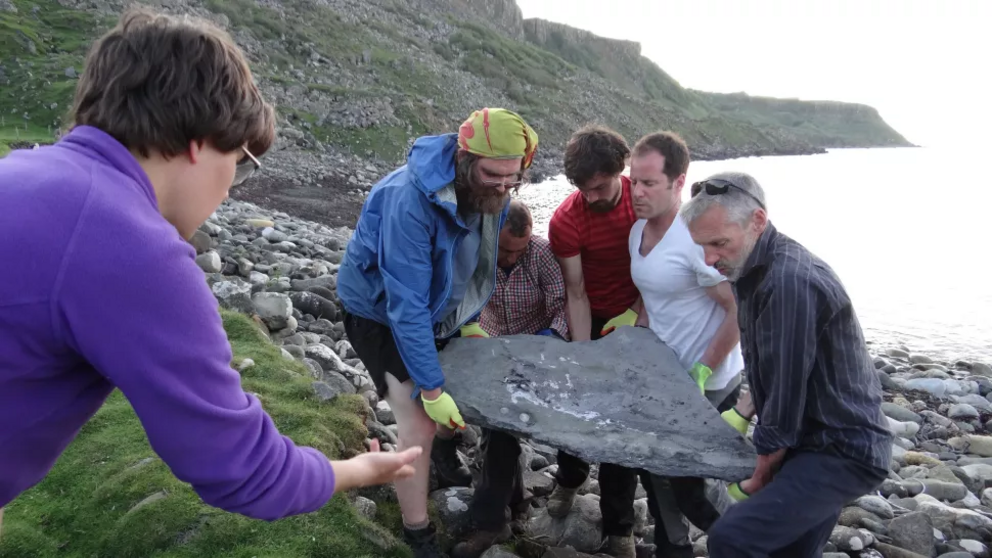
605, 206
732, 269
601, 206
475, 198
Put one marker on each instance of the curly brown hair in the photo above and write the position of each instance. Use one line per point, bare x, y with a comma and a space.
157, 82
594, 150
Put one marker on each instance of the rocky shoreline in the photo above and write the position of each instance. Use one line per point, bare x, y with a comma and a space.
328, 186
937, 500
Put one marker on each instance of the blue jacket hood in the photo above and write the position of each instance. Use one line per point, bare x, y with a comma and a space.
432, 162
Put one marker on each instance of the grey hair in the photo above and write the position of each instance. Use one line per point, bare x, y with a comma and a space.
738, 205
518, 219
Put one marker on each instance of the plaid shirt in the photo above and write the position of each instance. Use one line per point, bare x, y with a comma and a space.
529, 298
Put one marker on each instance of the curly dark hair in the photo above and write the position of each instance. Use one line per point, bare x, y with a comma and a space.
594, 150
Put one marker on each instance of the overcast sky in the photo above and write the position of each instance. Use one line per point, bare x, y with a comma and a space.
925, 65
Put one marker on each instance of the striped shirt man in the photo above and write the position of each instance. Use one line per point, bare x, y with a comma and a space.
601, 240
812, 380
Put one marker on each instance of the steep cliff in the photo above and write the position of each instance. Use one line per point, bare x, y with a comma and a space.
356, 80
826, 123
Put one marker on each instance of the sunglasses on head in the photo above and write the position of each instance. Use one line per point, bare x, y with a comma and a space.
245, 167
718, 187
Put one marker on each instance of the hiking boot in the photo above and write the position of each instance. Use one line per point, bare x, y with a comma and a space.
448, 466
620, 547
479, 542
561, 500
423, 542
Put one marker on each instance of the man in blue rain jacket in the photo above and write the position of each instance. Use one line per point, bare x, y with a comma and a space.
419, 268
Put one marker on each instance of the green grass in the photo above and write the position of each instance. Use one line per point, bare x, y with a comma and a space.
81, 509
37, 45
491, 55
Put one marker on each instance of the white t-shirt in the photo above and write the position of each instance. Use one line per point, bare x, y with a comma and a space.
672, 279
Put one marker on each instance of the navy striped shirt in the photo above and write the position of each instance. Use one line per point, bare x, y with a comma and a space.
812, 380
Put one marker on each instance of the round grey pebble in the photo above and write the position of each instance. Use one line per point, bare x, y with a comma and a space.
365, 507
962, 411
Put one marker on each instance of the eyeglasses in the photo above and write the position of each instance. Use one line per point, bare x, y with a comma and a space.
504, 183
245, 167
718, 187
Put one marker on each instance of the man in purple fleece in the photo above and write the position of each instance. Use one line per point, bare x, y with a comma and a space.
100, 289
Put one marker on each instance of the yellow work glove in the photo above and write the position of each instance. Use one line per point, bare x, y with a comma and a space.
473, 329
627, 318
444, 411
737, 493
735, 419
699, 374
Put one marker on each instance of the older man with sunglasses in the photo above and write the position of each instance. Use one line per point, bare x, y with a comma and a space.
419, 268
821, 437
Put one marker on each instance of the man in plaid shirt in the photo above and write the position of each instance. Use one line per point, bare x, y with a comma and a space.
529, 298
530, 290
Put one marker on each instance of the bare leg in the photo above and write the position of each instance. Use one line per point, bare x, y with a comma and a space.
415, 429
444, 432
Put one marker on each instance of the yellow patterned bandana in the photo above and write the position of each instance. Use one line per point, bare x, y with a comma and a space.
498, 134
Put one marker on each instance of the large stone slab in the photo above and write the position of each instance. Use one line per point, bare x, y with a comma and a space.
623, 399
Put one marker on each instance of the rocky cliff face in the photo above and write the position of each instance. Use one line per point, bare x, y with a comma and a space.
827, 123
355, 81
550, 34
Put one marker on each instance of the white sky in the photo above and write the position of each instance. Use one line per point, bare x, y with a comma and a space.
926, 65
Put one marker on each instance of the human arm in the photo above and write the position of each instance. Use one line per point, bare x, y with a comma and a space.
566, 245
727, 335
138, 310
578, 310
374, 467
764, 472
406, 265
642, 315
786, 341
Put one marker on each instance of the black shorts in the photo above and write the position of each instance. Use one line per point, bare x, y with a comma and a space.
374, 344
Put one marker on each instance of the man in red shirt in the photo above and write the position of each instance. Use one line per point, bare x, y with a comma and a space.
589, 234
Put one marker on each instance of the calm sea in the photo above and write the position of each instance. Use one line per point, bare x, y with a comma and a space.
907, 230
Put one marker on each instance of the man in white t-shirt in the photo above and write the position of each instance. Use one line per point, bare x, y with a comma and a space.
687, 303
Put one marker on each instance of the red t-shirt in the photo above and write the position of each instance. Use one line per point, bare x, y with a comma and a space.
601, 240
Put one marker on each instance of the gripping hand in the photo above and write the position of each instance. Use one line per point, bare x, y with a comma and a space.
444, 411
627, 318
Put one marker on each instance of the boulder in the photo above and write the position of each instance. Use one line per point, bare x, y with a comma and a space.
209, 262
234, 294
622, 399
315, 305
365, 507
913, 532
580, 529
275, 309
889, 551
452, 507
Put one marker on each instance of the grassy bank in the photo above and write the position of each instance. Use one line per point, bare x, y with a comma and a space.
88, 506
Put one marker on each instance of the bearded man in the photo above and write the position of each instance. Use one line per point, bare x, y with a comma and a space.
422, 264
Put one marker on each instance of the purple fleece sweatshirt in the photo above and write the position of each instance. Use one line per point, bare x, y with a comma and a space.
98, 291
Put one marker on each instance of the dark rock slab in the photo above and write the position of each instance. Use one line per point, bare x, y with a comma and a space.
623, 399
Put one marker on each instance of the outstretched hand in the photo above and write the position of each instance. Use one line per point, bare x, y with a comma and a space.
375, 467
